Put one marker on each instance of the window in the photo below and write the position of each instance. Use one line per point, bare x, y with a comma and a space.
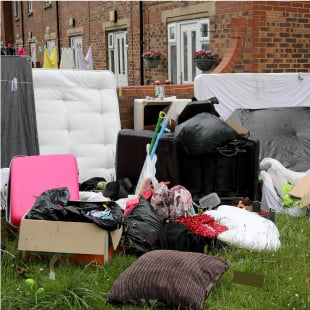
118, 56
29, 6
16, 14
48, 2
184, 38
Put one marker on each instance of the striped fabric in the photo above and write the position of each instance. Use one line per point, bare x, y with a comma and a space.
174, 278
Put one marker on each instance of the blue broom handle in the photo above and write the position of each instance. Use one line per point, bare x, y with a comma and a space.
162, 130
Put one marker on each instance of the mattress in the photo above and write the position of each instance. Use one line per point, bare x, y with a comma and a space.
78, 113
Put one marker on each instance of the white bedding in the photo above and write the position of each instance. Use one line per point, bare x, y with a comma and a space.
78, 113
253, 90
246, 229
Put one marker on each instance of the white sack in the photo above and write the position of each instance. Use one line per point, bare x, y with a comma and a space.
246, 229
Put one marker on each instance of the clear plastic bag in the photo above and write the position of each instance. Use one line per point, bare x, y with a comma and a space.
148, 174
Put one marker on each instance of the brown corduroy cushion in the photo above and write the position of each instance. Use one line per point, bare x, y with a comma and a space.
175, 278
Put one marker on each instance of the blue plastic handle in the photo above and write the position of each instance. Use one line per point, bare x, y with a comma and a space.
162, 130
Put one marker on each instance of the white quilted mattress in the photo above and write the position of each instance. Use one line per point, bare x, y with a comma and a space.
78, 113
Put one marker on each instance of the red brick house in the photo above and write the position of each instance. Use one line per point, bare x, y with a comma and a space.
249, 36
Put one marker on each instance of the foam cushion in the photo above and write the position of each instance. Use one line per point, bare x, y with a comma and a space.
174, 278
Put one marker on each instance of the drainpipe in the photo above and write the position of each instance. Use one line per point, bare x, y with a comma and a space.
141, 42
22, 22
58, 32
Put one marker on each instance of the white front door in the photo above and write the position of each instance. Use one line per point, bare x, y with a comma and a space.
188, 43
118, 57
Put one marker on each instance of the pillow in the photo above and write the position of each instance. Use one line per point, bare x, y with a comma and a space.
172, 278
203, 133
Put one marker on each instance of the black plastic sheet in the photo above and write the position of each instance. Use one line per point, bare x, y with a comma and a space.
283, 133
18, 117
54, 205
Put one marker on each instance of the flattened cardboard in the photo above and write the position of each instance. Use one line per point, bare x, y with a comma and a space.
247, 278
65, 237
241, 130
302, 190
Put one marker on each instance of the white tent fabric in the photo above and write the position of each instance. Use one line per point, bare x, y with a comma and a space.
253, 90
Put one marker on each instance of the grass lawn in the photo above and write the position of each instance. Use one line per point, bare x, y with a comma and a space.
286, 277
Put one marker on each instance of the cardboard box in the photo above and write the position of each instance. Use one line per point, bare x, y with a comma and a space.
84, 242
302, 190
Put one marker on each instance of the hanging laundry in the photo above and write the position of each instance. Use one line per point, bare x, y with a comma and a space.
9, 50
33, 55
86, 62
21, 51
50, 61
67, 59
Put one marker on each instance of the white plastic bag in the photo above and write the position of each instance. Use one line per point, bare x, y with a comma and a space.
148, 174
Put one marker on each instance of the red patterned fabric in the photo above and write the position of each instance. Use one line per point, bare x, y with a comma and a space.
203, 225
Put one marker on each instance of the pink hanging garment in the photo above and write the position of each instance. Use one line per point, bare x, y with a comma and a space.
21, 51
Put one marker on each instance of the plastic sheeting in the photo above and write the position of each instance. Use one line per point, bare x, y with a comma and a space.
283, 133
253, 90
18, 118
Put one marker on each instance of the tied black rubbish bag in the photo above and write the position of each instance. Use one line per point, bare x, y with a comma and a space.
195, 107
140, 223
54, 205
203, 133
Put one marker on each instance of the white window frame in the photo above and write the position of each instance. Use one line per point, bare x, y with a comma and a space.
29, 6
16, 6
111, 40
177, 42
76, 41
201, 22
172, 26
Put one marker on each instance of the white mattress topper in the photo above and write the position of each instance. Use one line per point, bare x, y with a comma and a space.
78, 113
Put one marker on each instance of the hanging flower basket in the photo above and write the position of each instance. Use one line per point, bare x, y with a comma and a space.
205, 64
151, 63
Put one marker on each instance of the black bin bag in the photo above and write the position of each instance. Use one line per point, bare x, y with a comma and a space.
198, 106
140, 223
54, 205
203, 133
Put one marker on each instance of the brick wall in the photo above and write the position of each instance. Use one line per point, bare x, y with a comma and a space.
250, 36
273, 36
127, 95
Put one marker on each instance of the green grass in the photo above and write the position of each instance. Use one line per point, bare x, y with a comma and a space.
286, 277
